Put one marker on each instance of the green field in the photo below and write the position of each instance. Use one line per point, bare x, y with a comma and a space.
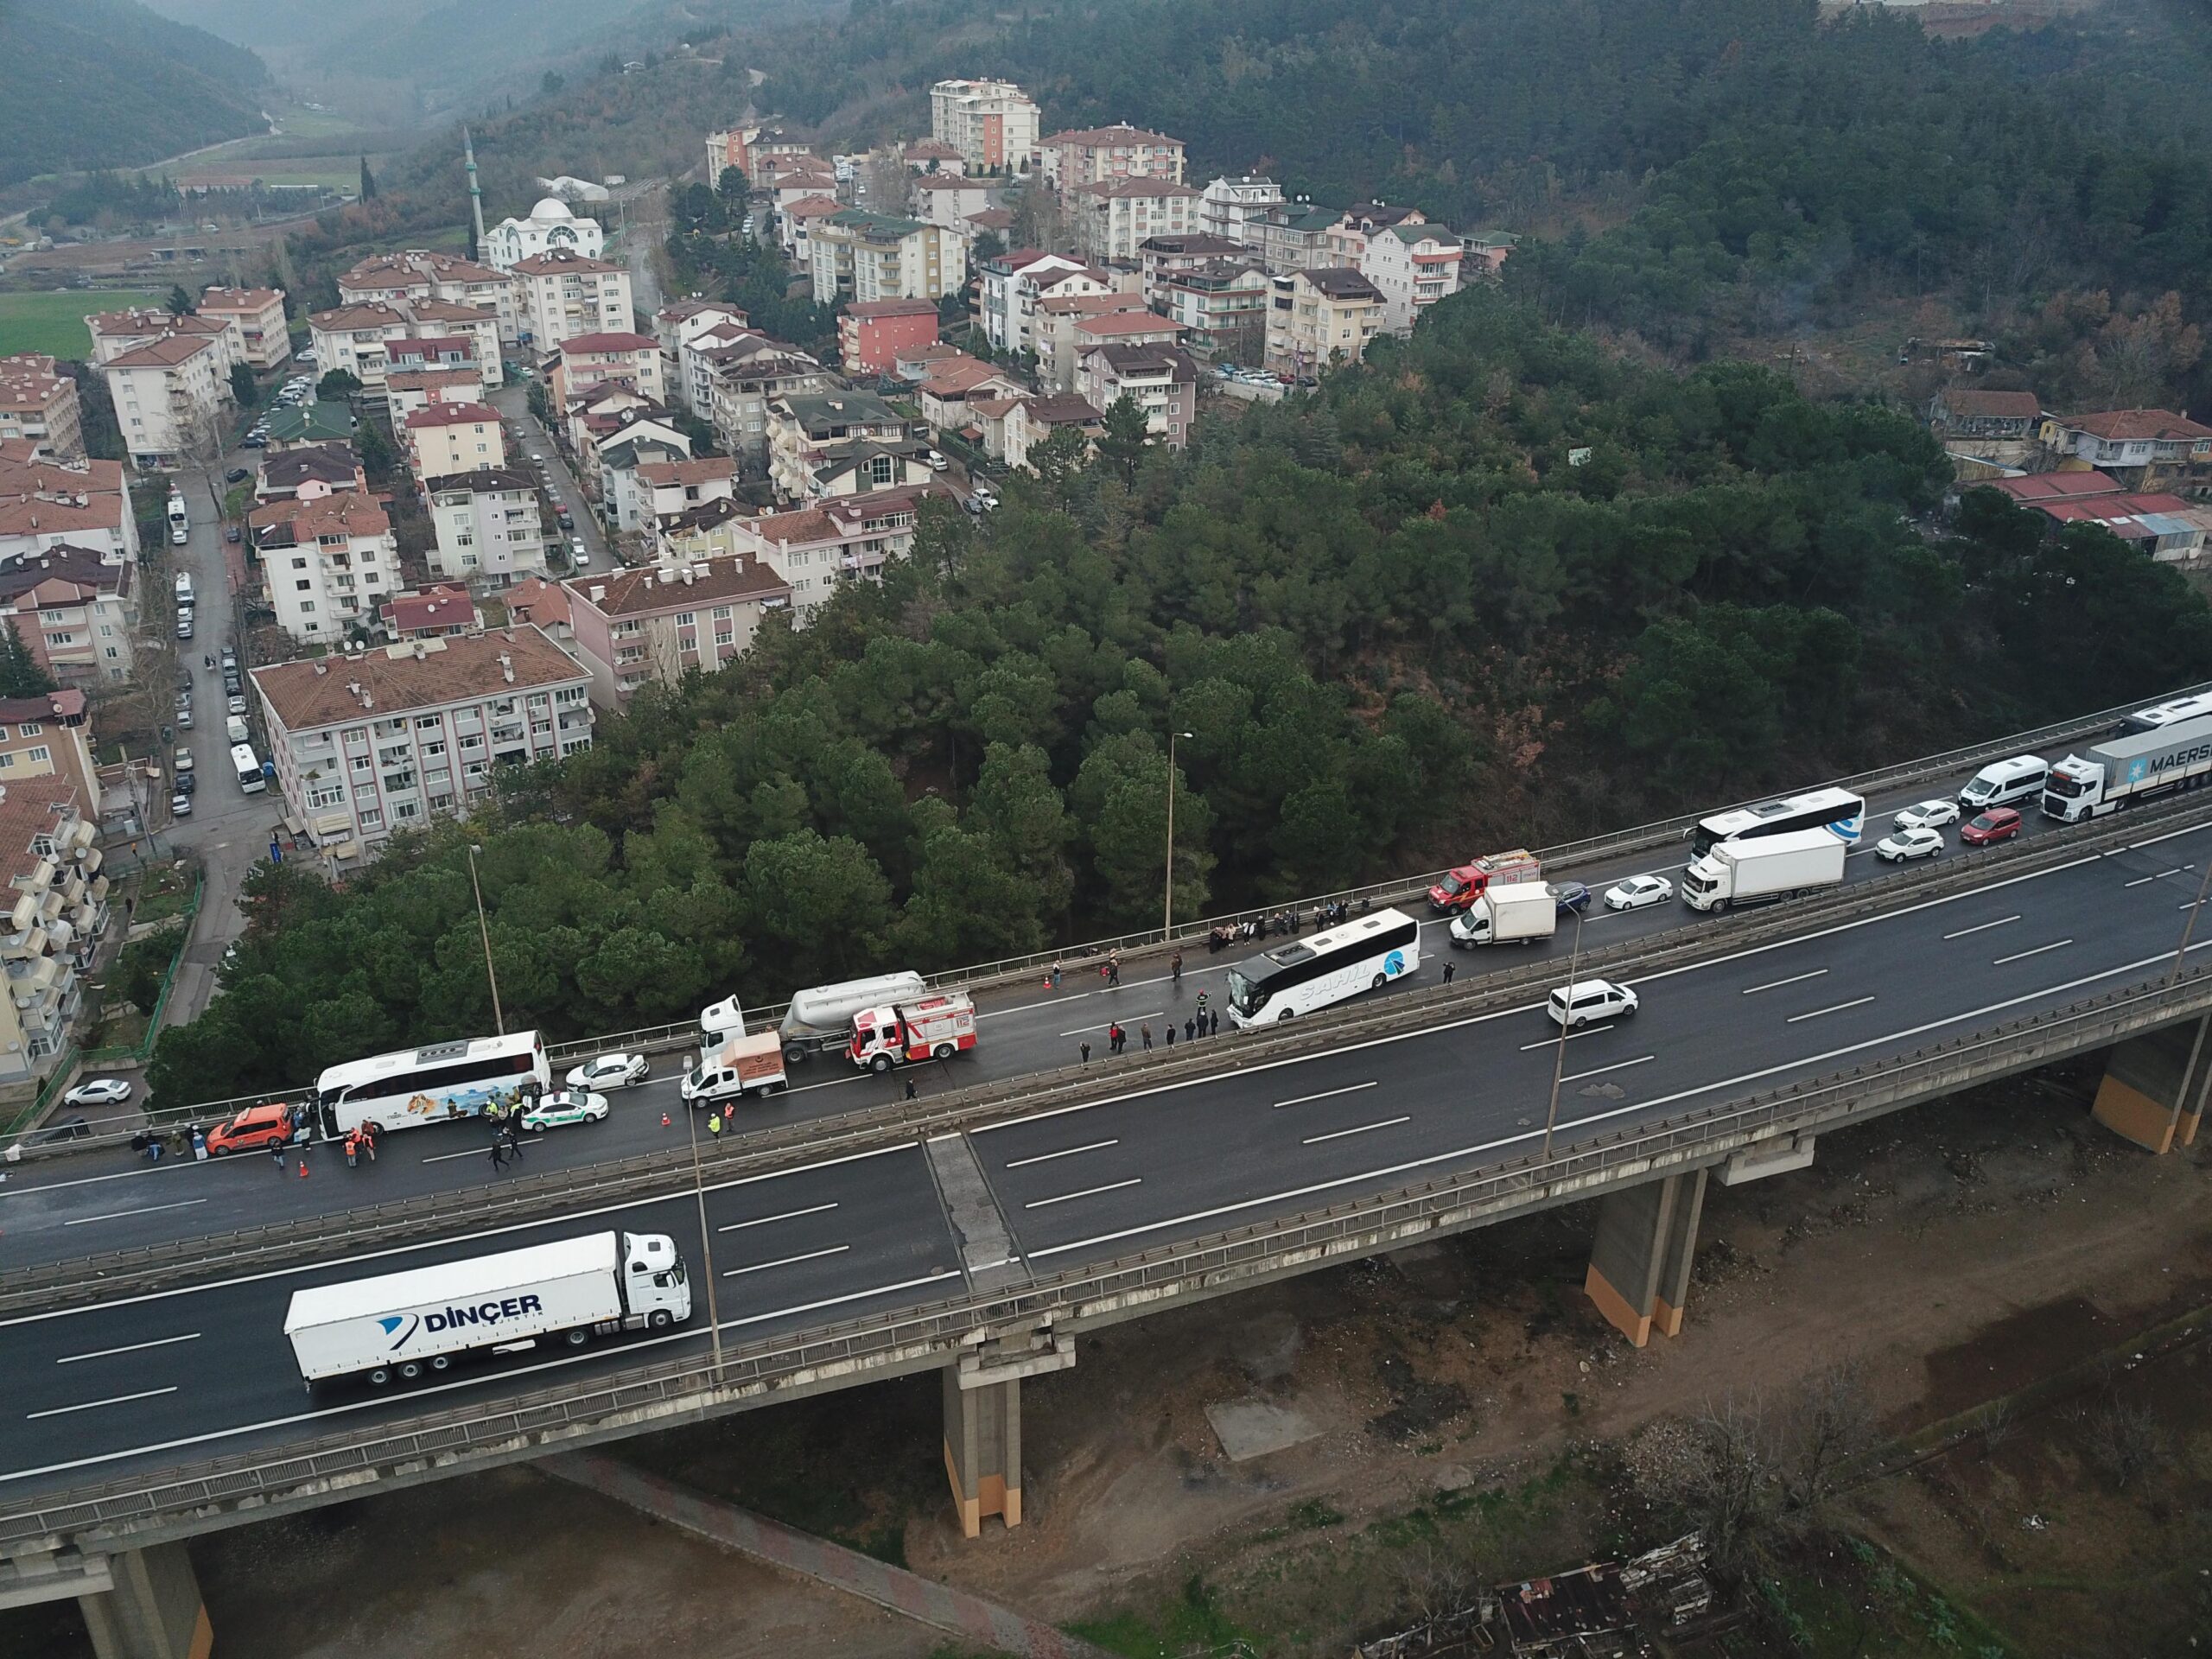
54, 323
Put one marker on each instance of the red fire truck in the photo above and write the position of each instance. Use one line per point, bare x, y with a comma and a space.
929, 1028
1461, 887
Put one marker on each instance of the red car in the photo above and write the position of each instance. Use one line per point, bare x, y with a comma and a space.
1998, 824
255, 1130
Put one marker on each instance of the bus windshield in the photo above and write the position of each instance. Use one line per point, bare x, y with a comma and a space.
1244, 996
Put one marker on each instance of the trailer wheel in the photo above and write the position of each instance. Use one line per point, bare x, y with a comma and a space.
409, 1370
441, 1362
576, 1337
377, 1377
942, 1052
879, 1065
659, 1319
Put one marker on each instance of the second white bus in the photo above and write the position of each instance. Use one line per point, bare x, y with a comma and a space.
248, 768
1836, 810
1301, 975
466, 1078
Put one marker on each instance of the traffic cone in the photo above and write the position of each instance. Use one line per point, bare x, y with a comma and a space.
304, 1169
664, 1120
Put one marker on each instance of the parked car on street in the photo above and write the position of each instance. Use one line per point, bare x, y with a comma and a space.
568, 1106
100, 1091
1637, 892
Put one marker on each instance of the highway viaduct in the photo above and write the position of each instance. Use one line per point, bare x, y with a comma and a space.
981, 1233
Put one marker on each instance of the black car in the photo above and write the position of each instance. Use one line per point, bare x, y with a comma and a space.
237, 475
187, 783
253, 440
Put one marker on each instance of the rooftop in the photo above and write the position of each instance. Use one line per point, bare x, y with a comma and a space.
2138, 426
240, 299
452, 415
1972, 403
665, 588
892, 308
82, 568
165, 353
705, 469
1341, 283
352, 319
446, 606
483, 478
1118, 189
1117, 134
394, 679
1111, 323
1064, 408
329, 462
579, 345
29, 807
347, 514
562, 261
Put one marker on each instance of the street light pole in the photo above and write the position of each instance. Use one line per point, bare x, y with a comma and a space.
1168, 916
706, 1236
2187, 1084
484, 931
1559, 1054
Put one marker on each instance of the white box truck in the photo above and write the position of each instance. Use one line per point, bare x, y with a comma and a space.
743, 1065
1521, 912
400, 1326
822, 1016
1764, 868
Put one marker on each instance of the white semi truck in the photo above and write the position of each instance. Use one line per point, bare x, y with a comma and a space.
402, 1327
819, 1017
1519, 912
1764, 869
2132, 767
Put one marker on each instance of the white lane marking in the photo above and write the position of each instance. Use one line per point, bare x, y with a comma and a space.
1982, 927
1326, 1093
94, 1405
117, 1215
1218, 1210
2139, 881
484, 1151
127, 1348
501, 1231
1815, 1014
1587, 1031
1339, 1135
476, 1381
1619, 1065
788, 1215
834, 1082
1087, 1192
1064, 1152
786, 1262
2021, 956
1121, 1019
1776, 984
1026, 1007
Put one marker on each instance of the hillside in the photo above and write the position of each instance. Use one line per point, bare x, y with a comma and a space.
107, 83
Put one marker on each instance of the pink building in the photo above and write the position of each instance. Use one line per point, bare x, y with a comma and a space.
870, 336
655, 625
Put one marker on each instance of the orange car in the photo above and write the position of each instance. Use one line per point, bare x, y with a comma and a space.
255, 1130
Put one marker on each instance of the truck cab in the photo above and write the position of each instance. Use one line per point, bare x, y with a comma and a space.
657, 1287
934, 1028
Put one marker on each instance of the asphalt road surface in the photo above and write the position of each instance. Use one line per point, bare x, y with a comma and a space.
154, 1380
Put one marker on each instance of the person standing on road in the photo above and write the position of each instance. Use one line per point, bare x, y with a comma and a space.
1189, 1031
1450, 968
278, 1153
1175, 968
1086, 1053
1114, 971
913, 1093
1171, 1033
498, 1153
1145, 1031
715, 1127
1214, 1028
514, 1142
1056, 976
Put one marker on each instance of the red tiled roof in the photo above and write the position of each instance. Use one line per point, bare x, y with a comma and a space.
579, 344
2138, 426
634, 593
892, 308
704, 470
453, 415
1972, 403
311, 694
1112, 323
2055, 487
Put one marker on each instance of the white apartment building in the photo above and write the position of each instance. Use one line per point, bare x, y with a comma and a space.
1412, 266
39, 406
1014, 281
419, 274
58, 909
1109, 155
866, 256
352, 338
170, 396
258, 314
747, 376
565, 293
442, 439
47, 503
638, 627
117, 332
992, 123
389, 738
1320, 318
77, 611
948, 200
1233, 206
488, 523
329, 563
823, 547
1110, 220
588, 360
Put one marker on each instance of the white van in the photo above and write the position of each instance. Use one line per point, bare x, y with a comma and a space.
2002, 782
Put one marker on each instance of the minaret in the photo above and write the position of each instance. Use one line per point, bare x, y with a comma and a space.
475, 191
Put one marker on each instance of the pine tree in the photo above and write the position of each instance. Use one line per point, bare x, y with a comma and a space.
180, 302
20, 676
368, 181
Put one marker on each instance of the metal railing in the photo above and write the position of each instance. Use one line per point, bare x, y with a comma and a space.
1013, 970
319, 1236
932, 1333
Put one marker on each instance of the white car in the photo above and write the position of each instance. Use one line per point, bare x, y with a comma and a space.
1637, 892
1927, 815
569, 1106
611, 1071
100, 1091
1908, 844
1589, 999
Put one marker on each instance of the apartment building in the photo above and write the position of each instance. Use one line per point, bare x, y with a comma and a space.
49, 735
117, 332
670, 488
1222, 307
351, 339
589, 360
1295, 235
437, 612
39, 406
391, 737
1108, 155
306, 474
992, 123
871, 335
45, 504
329, 563
1230, 206
821, 548
953, 382
442, 439
258, 314
488, 521
1111, 220
817, 442
563, 295
654, 624
1064, 338
1036, 421
441, 327
1163, 381
749, 149
1319, 318
406, 391
170, 395
949, 201
795, 223
76, 610
1162, 259
678, 325
1016, 283
419, 274
1345, 242
928, 157
58, 911
745, 377
867, 256
1412, 266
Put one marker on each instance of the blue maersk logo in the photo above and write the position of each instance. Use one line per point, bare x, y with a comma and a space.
394, 1322
2137, 767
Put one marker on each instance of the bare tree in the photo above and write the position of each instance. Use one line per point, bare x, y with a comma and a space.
1436, 1582
2126, 1441
1831, 1424
1998, 1418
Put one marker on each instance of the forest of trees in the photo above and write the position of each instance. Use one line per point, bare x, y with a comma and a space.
1401, 623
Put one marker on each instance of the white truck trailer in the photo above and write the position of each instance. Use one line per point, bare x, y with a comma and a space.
821, 1015
742, 1066
400, 1326
2133, 767
1764, 869
1519, 912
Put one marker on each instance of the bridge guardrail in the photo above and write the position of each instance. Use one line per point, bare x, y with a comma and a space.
312, 1237
932, 1333
1013, 970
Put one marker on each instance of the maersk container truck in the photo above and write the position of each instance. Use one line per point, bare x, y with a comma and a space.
400, 1326
1764, 869
1522, 913
2134, 766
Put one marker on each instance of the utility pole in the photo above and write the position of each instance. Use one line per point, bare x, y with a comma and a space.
1168, 916
484, 931
1559, 1053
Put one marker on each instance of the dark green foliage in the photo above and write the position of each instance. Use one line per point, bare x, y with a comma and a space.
709, 253
244, 387
20, 673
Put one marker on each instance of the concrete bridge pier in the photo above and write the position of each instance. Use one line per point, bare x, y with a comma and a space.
2155, 1086
153, 1610
1640, 1261
982, 1423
